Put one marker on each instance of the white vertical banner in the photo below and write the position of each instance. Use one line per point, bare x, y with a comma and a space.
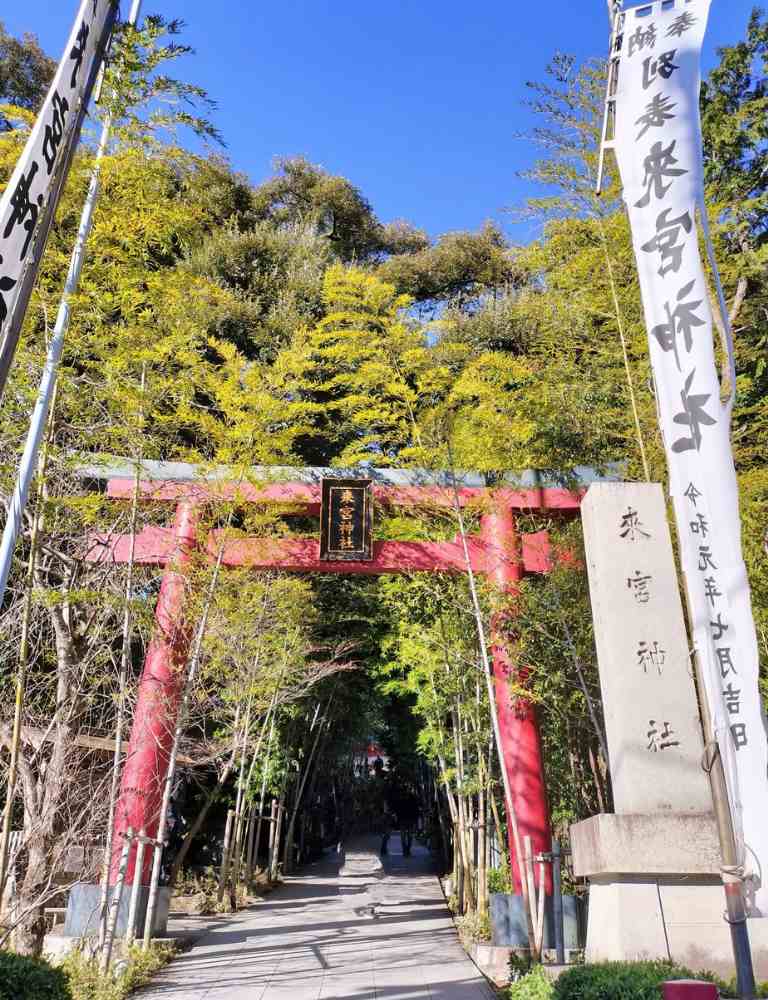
26, 196
659, 150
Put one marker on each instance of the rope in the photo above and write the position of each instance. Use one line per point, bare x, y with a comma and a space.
733, 874
625, 352
708, 763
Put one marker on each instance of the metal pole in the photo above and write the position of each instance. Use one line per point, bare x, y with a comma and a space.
138, 868
731, 865
558, 902
616, 18
36, 431
736, 913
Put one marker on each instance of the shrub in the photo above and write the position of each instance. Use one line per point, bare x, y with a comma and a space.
23, 978
87, 983
618, 980
473, 927
85, 980
520, 965
499, 880
532, 986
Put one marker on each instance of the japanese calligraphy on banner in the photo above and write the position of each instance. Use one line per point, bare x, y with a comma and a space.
24, 200
659, 150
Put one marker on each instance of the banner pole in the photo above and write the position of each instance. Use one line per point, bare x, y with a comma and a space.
19, 307
36, 430
731, 866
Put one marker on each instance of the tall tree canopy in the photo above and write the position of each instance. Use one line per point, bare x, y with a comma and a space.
25, 72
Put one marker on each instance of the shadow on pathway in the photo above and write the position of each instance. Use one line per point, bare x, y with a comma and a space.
351, 932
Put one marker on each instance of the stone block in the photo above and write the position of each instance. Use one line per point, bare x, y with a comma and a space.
657, 920
649, 702
82, 919
648, 844
509, 926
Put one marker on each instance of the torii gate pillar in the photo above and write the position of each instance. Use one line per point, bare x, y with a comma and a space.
520, 738
157, 703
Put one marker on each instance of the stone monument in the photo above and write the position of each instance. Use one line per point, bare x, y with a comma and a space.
654, 864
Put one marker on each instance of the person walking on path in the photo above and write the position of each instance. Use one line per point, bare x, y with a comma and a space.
407, 810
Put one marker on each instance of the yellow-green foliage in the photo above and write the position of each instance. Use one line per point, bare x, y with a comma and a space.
533, 986
87, 983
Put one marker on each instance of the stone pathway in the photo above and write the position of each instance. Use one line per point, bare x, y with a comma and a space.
333, 933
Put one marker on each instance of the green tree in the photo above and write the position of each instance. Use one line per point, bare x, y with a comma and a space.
459, 268
25, 72
302, 194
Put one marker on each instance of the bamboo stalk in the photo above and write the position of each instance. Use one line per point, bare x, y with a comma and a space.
287, 863
274, 866
114, 906
529, 878
254, 850
197, 824
268, 719
252, 823
239, 798
125, 661
482, 872
21, 675
225, 856
540, 910
272, 829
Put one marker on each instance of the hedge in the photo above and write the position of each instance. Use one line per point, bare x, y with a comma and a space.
619, 980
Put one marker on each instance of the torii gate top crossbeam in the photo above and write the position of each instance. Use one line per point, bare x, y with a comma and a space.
106, 468
175, 482
307, 495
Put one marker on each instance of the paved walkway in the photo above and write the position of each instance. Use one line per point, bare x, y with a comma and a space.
333, 933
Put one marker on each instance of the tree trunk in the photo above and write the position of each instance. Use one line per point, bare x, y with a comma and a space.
482, 873
30, 930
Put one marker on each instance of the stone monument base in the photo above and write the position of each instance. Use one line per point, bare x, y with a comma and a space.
82, 919
655, 892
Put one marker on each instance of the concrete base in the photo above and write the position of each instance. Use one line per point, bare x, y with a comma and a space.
655, 892
493, 961
509, 927
635, 920
82, 919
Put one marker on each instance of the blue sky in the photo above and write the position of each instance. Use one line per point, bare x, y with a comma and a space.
419, 104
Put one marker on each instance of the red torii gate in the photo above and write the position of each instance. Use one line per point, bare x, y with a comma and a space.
498, 551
